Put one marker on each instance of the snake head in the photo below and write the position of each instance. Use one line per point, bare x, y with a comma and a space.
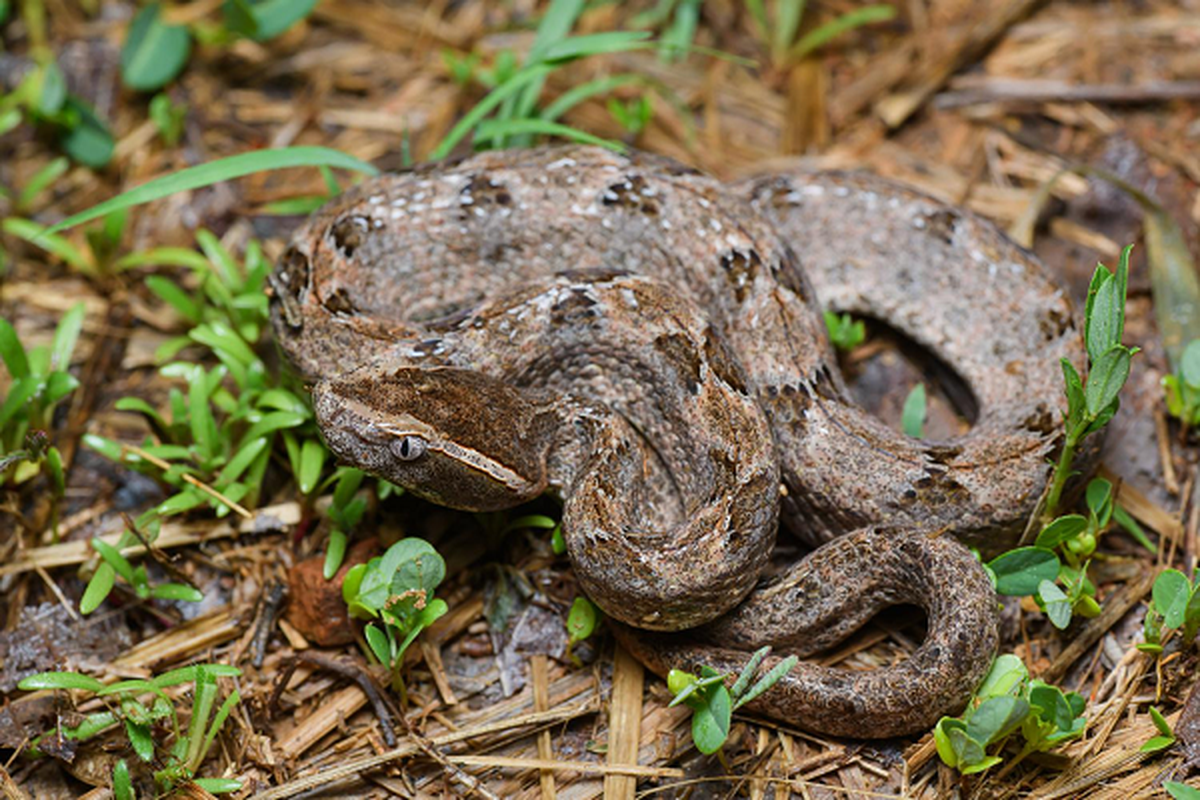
456, 437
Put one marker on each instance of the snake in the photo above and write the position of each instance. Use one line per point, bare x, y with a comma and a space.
642, 341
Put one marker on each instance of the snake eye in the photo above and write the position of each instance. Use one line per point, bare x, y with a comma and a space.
408, 448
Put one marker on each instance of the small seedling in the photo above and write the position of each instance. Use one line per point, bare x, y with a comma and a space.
181, 753
582, 620
156, 51
396, 589
633, 115
845, 332
1174, 605
1165, 738
42, 99
115, 564
1008, 701
168, 117
713, 704
1092, 403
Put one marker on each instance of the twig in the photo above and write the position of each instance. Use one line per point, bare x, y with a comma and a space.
406, 749
204, 487
971, 90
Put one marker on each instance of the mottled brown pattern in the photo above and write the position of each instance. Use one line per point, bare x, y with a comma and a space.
606, 326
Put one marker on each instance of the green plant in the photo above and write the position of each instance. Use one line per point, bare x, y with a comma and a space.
40, 381
397, 590
779, 27
507, 116
114, 564
713, 704
42, 99
582, 620
155, 51
1007, 702
181, 752
845, 332
1165, 738
633, 115
1092, 403
1181, 791
1182, 389
213, 442
1174, 605
912, 418
168, 117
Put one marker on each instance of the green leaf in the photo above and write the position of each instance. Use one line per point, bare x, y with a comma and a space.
1107, 377
47, 175
996, 718
584, 91
240, 461
581, 621
1171, 594
176, 591
122, 784
836, 27
378, 642
418, 566
1019, 572
747, 674
60, 680
710, 722
945, 745
58, 246
12, 351
499, 128
55, 466
425, 617
1157, 743
140, 739
335, 553
170, 293
349, 479
767, 681
98, 588
1006, 673
18, 395
593, 44
1099, 499
1076, 401
1098, 314
53, 95
912, 419
1189, 365
218, 785
312, 461
271, 17
65, 337
112, 556
1160, 722
472, 118
222, 169
1056, 604
1181, 791
154, 52
1060, 530
89, 141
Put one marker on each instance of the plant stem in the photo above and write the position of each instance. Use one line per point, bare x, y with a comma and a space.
1062, 471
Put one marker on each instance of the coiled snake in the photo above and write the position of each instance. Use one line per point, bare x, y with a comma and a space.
640, 339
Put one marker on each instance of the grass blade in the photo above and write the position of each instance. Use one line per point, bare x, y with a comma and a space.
846, 22
222, 169
491, 128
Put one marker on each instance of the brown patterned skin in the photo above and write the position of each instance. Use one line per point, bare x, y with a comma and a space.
646, 385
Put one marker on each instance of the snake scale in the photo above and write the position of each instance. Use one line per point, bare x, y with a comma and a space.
641, 340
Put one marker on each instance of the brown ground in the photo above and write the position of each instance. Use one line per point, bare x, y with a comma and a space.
976, 102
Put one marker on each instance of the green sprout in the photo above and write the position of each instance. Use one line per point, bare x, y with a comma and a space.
713, 704
396, 589
178, 753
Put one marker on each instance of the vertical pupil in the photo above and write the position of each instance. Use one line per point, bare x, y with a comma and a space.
404, 447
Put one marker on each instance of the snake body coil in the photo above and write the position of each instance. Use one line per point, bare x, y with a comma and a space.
641, 339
